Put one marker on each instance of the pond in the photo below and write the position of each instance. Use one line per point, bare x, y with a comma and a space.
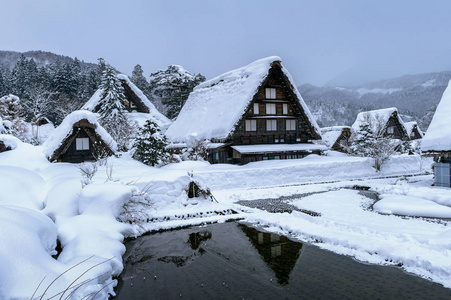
234, 261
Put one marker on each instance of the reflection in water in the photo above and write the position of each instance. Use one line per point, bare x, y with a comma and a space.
196, 238
194, 241
233, 261
278, 252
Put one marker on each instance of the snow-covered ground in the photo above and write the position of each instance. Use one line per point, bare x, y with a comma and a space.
41, 202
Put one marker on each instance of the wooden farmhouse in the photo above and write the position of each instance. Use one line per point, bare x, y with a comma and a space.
250, 114
437, 140
413, 130
336, 137
136, 103
384, 122
79, 138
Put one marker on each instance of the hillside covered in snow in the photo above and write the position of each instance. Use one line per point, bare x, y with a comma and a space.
415, 96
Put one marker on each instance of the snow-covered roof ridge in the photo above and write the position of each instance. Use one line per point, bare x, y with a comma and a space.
410, 126
215, 106
55, 140
334, 128
438, 135
375, 118
156, 116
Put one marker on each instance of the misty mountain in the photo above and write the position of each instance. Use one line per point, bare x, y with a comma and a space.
9, 58
415, 96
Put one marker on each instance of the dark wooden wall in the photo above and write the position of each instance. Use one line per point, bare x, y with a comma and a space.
281, 135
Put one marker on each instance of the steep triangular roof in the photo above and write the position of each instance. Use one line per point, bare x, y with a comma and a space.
410, 126
134, 94
330, 135
378, 119
438, 135
215, 107
59, 136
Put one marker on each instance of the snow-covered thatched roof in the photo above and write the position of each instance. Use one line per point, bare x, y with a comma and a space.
331, 134
410, 126
377, 119
215, 107
64, 130
438, 135
151, 112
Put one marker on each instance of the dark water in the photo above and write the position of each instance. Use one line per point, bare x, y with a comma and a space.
233, 261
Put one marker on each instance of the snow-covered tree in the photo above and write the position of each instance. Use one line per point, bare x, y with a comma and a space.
364, 143
139, 79
173, 86
111, 109
150, 145
10, 107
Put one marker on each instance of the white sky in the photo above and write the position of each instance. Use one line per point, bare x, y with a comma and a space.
318, 40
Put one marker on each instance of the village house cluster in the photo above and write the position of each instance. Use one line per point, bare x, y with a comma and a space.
253, 113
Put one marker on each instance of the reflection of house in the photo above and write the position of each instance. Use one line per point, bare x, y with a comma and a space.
278, 252
384, 122
79, 138
249, 114
136, 102
336, 137
413, 131
437, 140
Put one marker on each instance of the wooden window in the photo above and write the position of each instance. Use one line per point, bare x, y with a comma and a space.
82, 144
412, 134
251, 125
391, 130
343, 142
285, 109
290, 125
256, 110
270, 93
270, 108
271, 125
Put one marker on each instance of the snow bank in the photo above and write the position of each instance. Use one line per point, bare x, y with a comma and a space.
28, 240
402, 164
8, 140
411, 206
438, 135
21, 187
312, 168
215, 106
57, 137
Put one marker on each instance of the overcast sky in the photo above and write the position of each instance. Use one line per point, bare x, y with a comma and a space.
318, 41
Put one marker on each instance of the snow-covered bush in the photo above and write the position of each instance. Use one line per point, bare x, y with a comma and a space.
13, 123
365, 143
150, 145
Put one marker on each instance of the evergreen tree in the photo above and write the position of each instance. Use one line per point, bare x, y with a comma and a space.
173, 86
3, 87
150, 145
139, 79
19, 77
363, 141
366, 144
111, 109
